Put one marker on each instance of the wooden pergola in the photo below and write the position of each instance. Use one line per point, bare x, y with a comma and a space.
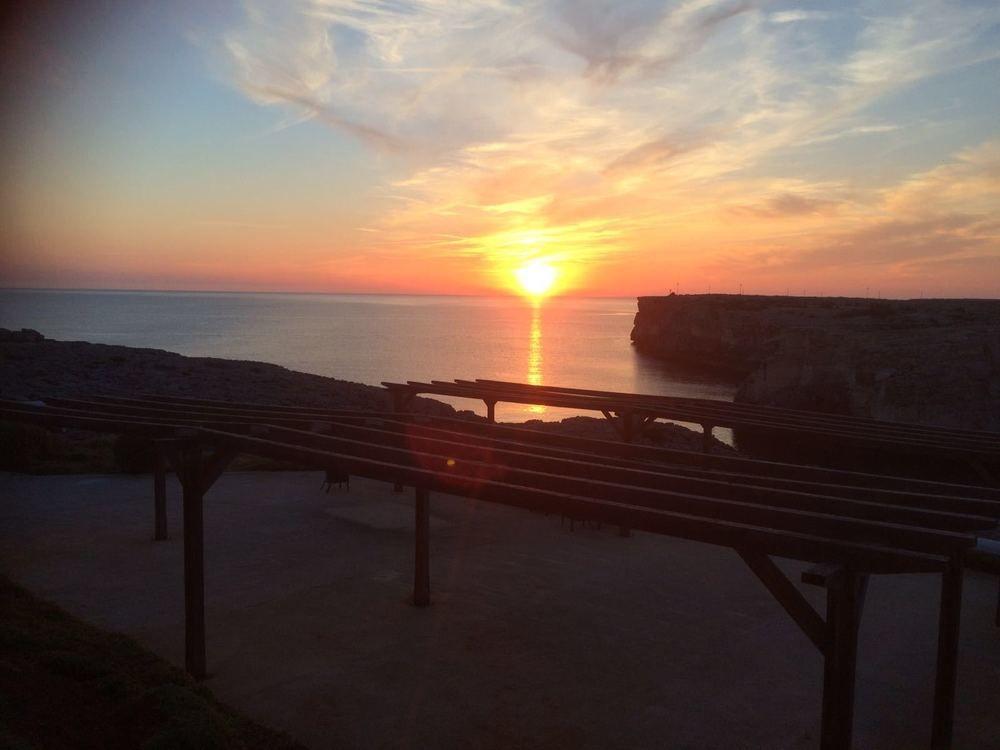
849, 525
630, 413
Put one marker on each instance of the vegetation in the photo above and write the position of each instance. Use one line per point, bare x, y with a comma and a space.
66, 684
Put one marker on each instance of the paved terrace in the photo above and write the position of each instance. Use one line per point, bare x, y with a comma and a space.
538, 636
852, 530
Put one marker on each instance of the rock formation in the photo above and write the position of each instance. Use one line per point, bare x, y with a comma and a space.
925, 361
33, 368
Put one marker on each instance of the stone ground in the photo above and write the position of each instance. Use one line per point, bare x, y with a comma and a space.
538, 637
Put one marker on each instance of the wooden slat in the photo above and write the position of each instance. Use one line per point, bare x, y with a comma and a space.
894, 443
726, 407
814, 548
609, 448
874, 506
833, 526
698, 459
593, 468
955, 507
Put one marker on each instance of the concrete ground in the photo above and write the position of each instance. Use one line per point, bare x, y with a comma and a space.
538, 637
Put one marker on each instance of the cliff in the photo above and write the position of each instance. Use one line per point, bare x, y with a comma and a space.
926, 361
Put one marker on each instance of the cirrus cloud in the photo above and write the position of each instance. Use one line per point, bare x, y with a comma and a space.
590, 130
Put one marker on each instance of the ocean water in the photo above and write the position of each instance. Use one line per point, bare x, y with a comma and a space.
370, 338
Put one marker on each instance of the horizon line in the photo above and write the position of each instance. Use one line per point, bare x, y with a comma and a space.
480, 295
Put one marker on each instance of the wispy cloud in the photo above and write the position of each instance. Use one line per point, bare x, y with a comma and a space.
584, 129
794, 16
787, 204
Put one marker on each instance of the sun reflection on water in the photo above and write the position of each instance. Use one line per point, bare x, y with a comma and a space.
535, 354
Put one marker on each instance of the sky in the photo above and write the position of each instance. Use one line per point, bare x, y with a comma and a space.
446, 146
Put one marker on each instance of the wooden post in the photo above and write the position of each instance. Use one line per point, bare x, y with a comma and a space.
627, 420
947, 656
491, 408
706, 437
627, 425
194, 565
159, 494
422, 532
400, 402
840, 661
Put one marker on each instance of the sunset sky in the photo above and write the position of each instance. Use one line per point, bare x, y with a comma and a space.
442, 145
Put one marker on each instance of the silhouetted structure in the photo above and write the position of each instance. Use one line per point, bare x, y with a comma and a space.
851, 525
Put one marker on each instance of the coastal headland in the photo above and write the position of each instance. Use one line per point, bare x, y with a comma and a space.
934, 362
34, 367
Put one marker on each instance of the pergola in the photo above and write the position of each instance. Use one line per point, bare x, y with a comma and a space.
849, 525
630, 413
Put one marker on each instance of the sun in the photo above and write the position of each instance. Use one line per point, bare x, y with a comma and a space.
536, 278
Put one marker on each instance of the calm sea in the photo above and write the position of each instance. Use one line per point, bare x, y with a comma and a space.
371, 338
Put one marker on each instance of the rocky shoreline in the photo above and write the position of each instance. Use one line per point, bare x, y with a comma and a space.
934, 362
33, 367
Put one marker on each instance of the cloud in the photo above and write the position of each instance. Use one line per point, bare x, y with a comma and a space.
895, 242
795, 16
643, 38
590, 129
787, 204
649, 155
943, 217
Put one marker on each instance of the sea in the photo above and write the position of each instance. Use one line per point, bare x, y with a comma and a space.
563, 341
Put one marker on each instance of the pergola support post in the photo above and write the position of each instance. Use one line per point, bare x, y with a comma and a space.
197, 473
706, 437
194, 567
840, 660
421, 548
947, 656
628, 425
159, 494
401, 401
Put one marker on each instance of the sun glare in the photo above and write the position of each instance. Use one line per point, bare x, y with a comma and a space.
536, 278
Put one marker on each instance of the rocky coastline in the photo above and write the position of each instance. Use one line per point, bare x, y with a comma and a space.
33, 367
934, 362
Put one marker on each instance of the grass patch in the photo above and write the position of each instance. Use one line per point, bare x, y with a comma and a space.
67, 684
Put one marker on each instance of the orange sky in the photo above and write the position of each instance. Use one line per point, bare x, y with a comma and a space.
438, 147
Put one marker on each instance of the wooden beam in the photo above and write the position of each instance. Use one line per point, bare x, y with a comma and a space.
932, 502
847, 483
892, 441
808, 547
627, 418
725, 410
213, 466
789, 597
706, 437
159, 493
638, 488
197, 473
616, 424
421, 548
840, 661
947, 656
194, 566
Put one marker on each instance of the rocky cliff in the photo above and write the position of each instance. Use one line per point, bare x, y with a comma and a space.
926, 361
